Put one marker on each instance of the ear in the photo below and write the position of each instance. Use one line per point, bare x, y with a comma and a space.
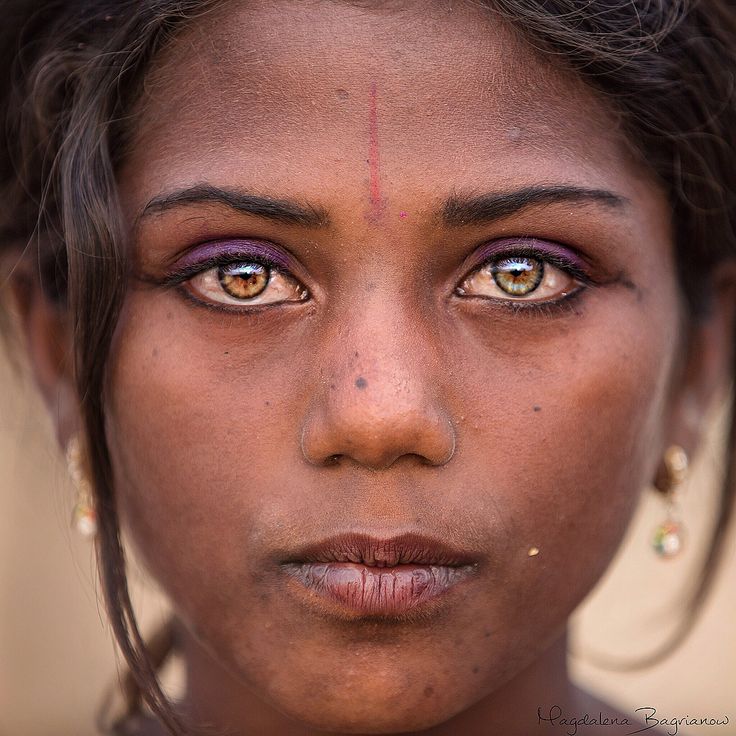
44, 327
707, 364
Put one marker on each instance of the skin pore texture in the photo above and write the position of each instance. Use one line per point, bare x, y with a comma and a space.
371, 395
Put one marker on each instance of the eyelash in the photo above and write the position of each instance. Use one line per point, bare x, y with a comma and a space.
181, 275
517, 306
529, 308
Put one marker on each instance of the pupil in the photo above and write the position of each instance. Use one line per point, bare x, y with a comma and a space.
244, 280
518, 276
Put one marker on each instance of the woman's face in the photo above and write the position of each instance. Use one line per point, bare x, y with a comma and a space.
470, 335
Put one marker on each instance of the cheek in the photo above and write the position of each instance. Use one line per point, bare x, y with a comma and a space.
197, 430
566, 428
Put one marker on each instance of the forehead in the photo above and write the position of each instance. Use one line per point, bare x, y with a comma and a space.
266, 91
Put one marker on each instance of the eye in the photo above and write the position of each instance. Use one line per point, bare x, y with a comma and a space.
246, 283
530, 278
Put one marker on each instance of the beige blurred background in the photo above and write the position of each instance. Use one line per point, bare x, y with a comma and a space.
57, 659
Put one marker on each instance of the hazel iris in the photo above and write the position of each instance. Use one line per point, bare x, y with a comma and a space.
518, 276
244, 280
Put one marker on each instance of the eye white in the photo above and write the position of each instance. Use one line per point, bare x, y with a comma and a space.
555, 283
280, 287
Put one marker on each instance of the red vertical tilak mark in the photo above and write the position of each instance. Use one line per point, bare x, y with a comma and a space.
373, 160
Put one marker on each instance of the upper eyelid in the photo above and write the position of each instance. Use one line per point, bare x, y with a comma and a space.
527, 244
556, 256
236, 249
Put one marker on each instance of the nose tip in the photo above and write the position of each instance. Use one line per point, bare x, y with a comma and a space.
376, 432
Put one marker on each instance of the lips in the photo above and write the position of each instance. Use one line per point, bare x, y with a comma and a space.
362, 575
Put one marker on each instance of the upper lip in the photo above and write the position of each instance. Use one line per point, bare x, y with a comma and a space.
404, 549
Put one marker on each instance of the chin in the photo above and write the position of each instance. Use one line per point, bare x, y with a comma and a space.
389, 704
360, 717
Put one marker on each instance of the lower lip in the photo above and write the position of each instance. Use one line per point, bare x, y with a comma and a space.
377, 591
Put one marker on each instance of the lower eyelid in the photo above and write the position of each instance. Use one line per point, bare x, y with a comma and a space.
234, 310
530, 307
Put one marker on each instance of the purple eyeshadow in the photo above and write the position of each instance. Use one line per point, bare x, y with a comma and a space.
236, 249
529, 247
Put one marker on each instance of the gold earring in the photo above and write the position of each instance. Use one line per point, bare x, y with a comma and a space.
668, 536
84, 516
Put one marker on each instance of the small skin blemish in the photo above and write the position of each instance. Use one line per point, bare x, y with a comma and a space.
486, 634
476, 670
537, 408
360, 382
428, 691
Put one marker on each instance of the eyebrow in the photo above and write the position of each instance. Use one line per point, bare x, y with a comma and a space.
484, 208
279, 210
457, 210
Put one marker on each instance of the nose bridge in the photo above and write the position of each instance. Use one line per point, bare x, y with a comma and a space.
379, 397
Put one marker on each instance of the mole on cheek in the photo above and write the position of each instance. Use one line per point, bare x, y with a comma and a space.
428, 691
360, 382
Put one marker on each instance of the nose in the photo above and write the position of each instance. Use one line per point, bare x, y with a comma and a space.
380, 399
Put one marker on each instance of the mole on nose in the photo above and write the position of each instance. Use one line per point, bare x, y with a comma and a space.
360, 382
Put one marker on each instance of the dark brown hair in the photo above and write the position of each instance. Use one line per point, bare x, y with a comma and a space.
667, 67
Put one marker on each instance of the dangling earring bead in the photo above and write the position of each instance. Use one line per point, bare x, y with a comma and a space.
668, 536
84, 516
